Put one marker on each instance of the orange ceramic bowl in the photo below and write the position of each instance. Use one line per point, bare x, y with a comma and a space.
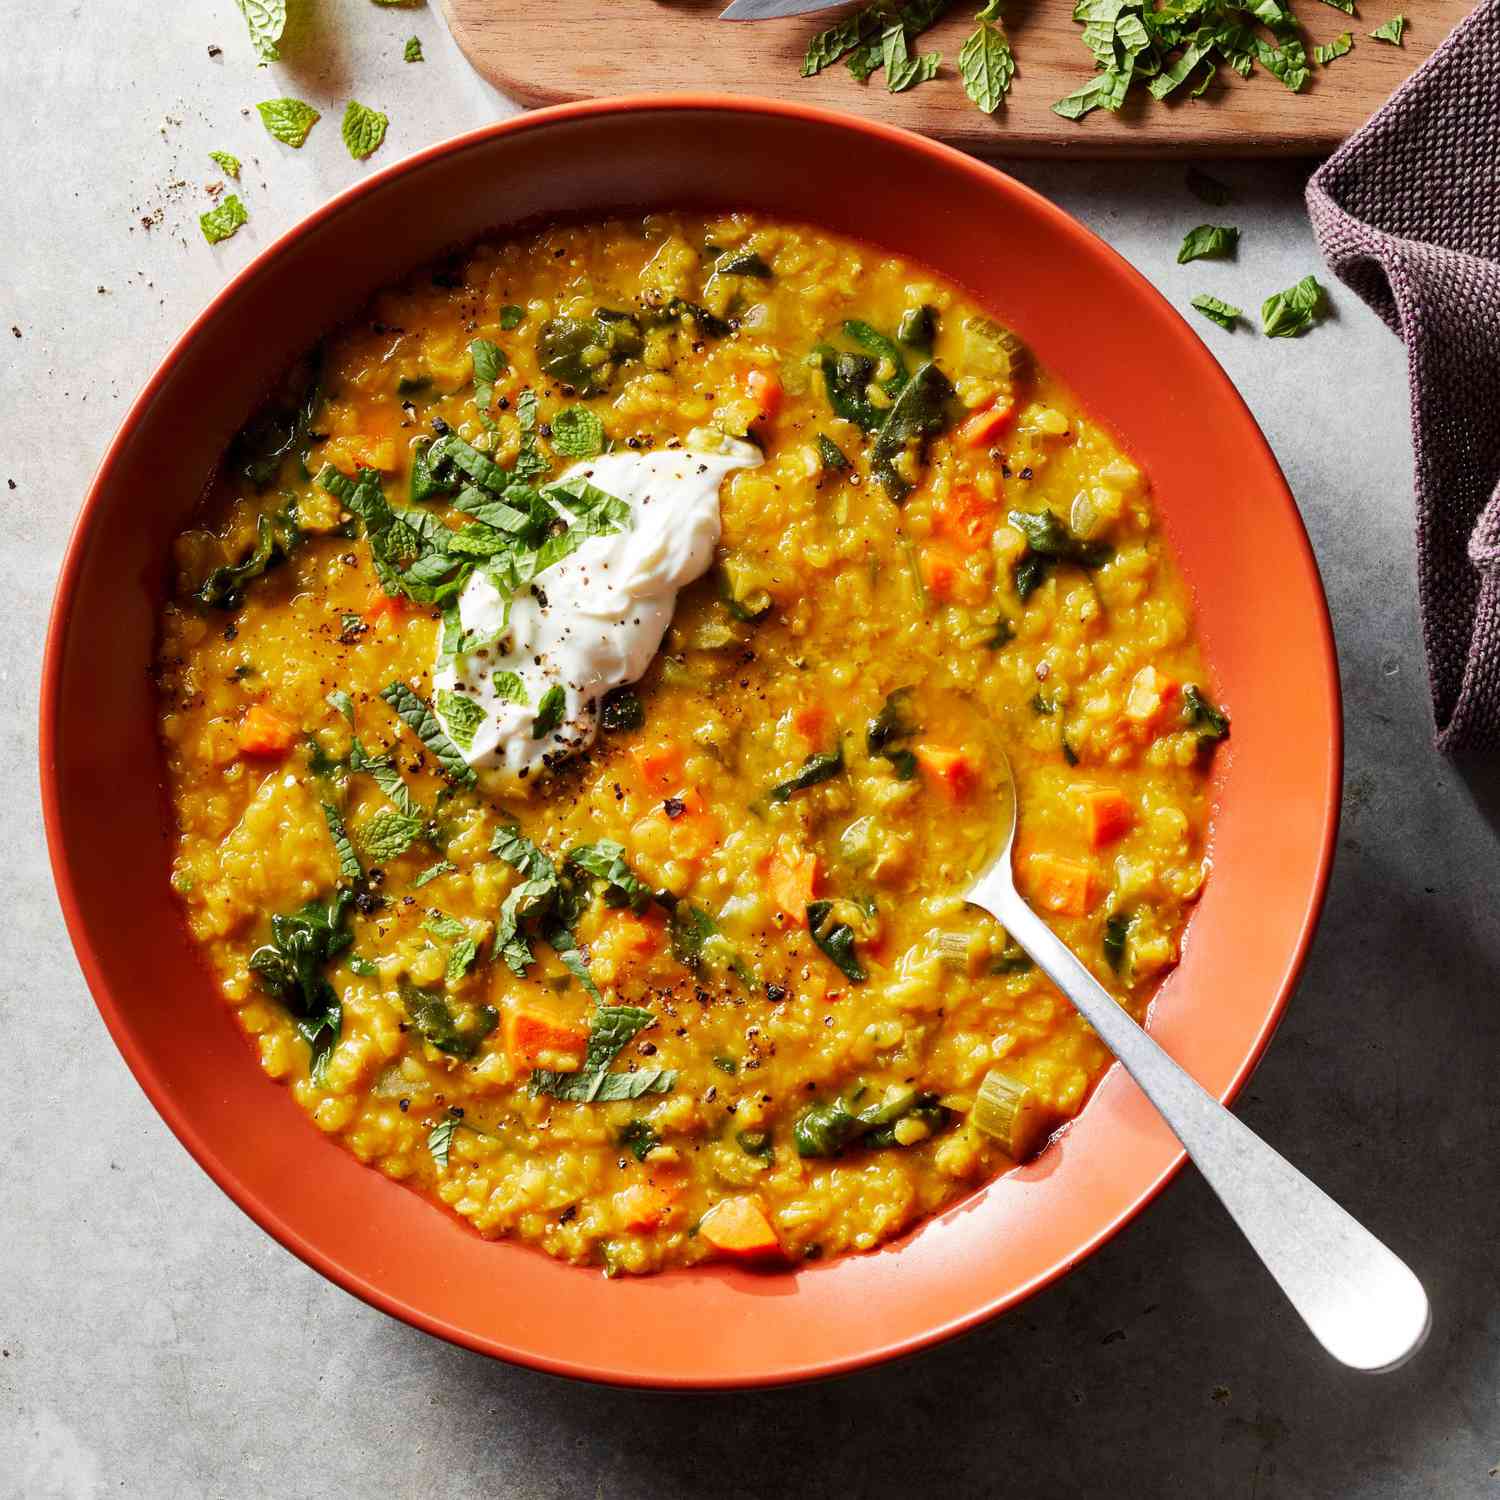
1132, 361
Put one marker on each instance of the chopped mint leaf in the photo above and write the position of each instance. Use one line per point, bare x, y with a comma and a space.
221, 222
1347, 6
490, 362
605, 861
363, 967
289, 120
508, 685
389, 834
412, 52
440, 1139
363, 129
578, 433
1288, 314
1208, 242
461, 714
1219, 312
227, 164
1391, 32
422, 722
549, 712
986, 66
640, 1138
431, 873
611, 1030
511, 316
827, 47
1209, 189
441, 925
1336, 48
461, 959
267, 21
349, 865
902, 70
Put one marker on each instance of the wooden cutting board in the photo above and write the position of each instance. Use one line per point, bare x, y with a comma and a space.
581, 49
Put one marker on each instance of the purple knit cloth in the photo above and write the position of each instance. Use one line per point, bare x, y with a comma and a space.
1407, 213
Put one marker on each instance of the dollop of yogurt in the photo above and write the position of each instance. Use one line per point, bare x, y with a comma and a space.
593, 621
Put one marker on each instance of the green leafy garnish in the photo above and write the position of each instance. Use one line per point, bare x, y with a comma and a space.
266, 20
611, 1029
698, 944
412, 51
587, 353
902, 70
815, 769
389, 834
349, 865
1200, 713
756, 1143
919, 412
741, 262
544, 902
894, 722
490, 364
605, 861
1116, 931
640, 1138
291, 967
828, 1129
423, 723
288, 120
1208, 242
1392, 31
363, 129
578, 433
1049, 541
441, 925
918, 328
435, 1023
440, 1139
1222, 313
227, 164
836, 939
549, 712
431, 873
986, 66
830, 454
1336, 48
221, 222
1289, 314
224, 587
461, 714
511, 316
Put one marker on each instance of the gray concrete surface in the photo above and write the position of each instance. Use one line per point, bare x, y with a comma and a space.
154, 1343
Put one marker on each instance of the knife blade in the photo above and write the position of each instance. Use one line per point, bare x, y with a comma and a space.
766, 10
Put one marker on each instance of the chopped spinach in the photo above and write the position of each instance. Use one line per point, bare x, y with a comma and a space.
1116, 931
1049, 541
894, 722
224, 588
876, 343
830, 454
837, 941
1200, 713
697, 943
918, 328
641, 1139
587, 353
828, 1129
741, 262
291, 967
430, 1014
919, 412
611, 1029
815, 769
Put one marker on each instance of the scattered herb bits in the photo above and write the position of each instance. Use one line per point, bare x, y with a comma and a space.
288, 120
578, 433
266, 20
227, 164
1391, 32
363, 129
412, 52
222, 222
1336, 48
1289, 314
1208, 242
1222, 313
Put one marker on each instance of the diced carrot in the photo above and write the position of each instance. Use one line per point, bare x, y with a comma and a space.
263, 733
640, 934
981, 429
810, 720
538, 1039
1107, 814
765, 391
360, 451
966, 518
660, 765
939, 573
647, 1205
384, 606
950, 769
792, 876
1061, 885
1151, 694
739, 1228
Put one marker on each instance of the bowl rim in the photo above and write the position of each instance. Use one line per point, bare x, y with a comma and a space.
882, 1349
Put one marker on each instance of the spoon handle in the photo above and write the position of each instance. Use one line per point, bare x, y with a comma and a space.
1361, 1302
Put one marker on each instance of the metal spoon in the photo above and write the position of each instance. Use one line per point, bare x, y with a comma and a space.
1362, 1304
